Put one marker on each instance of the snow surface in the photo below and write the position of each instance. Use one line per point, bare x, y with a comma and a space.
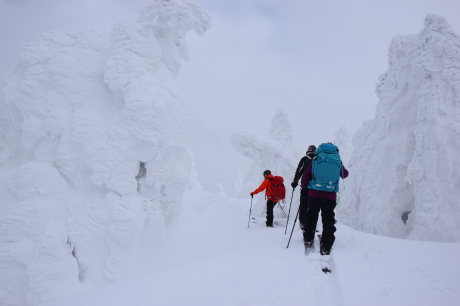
215, 259
404, 170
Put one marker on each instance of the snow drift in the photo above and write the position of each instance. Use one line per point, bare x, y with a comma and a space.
404, 170
93, 151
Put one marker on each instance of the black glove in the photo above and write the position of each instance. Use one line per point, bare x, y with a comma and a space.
294, 185
252, 195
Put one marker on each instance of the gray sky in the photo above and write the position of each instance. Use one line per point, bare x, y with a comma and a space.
320, 60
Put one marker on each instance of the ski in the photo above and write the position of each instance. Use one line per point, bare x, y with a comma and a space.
325, 267
326, 270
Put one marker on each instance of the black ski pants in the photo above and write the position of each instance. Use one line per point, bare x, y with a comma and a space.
326, 206
303, 207
270, 206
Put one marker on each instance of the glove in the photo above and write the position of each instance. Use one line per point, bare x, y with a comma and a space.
252, 194
294, 185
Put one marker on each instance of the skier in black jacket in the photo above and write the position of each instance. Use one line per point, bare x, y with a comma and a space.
303, 165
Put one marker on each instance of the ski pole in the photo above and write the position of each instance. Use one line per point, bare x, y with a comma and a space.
250, 209
289, 213
282, 210
293, 227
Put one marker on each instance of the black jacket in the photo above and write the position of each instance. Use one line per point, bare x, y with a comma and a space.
303, 165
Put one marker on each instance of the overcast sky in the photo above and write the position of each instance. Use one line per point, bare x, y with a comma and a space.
320, 60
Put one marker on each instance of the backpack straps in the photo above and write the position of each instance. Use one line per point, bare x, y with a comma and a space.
313, 166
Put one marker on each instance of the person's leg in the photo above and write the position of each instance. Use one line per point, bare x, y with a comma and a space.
303, 209
270, 205
328, 218
311, 219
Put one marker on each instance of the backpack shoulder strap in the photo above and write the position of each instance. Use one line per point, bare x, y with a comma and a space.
313, 165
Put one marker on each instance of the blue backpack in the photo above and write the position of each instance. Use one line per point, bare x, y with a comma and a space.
326, 169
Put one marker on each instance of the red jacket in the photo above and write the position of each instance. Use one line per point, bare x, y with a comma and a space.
267, 186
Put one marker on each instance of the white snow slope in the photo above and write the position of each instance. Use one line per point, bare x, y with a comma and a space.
215, 259
405, 167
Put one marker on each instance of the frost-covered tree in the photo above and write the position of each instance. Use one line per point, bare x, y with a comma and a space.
404, 172
274, 153
93, 146
237, 184
281, 130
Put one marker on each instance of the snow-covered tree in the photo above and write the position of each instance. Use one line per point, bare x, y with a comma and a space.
404, 173
274, 153
281, 130
237, 184
93, 146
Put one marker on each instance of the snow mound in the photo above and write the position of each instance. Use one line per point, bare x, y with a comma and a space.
404, 170
94, 148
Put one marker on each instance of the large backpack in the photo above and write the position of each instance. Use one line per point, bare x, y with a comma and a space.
279, 191
326, 169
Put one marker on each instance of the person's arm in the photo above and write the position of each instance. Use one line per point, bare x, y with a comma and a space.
306, 178
344, 172
261, 187
299, 171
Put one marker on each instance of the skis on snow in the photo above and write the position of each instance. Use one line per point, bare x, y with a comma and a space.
325, 266
324, 260
326, 270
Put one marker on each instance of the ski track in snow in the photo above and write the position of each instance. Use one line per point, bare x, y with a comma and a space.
326, 289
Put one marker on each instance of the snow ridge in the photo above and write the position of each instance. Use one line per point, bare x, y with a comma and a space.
101, 122
404, 167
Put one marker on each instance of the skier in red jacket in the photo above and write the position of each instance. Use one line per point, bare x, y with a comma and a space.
267, 186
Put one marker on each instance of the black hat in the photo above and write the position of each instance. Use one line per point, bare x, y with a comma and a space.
266, 172
311, 149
